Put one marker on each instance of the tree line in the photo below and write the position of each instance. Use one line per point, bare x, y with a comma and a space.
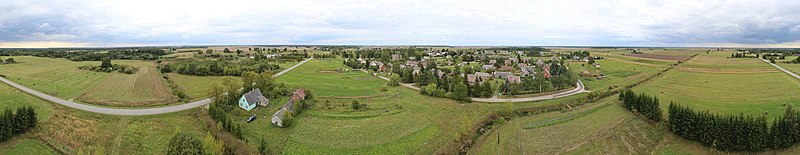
106, 66
735, 132
15, 123
91, 54
642, 103
223, 67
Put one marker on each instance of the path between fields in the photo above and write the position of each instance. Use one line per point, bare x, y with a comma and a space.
782, 69
577, 90
127, 112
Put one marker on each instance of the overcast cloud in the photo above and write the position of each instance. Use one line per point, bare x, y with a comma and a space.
771, 23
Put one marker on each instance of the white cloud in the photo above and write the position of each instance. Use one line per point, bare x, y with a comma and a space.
480, 22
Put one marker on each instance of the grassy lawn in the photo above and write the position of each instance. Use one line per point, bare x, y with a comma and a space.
319, 76
724, 92
26, 147
143, 88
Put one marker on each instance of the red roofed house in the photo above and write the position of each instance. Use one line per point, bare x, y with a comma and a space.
547, 71
506, 68
514, 79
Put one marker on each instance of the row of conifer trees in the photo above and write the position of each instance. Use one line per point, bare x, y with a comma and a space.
644, 104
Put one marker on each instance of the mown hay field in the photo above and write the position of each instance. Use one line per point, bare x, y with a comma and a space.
146, 87
58, 77
730, 86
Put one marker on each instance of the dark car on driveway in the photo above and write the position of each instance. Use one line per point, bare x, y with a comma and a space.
252, 118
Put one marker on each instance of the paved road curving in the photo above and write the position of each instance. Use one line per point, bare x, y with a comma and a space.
126, 112
782, 69
577, 90
290, 68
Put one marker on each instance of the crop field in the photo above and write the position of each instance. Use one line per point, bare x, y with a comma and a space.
57, 77
661, 57
717, 62
729, 92
144, 88
320, 76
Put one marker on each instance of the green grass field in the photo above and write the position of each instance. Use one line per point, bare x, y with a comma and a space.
319, 76
618, 73
26, 147
399, 120
76, 131
396, 121
58, 77
63, 79
143, 88
599, 128
13, 98
195, 87
754, 93
403, 123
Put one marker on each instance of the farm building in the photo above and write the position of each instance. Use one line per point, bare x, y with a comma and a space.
249, 100
297, 95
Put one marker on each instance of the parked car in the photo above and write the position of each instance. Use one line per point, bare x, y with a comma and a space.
252, 118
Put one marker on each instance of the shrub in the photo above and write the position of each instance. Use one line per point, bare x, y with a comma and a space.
182, 144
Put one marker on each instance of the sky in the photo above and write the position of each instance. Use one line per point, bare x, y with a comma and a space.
668, 23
